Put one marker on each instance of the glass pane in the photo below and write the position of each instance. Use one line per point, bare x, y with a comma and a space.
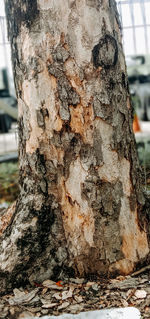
148, 38
138, 19
128, 42
147, 12
126, 15
2, 11
2, 58
3, 30
140, 40
1, 36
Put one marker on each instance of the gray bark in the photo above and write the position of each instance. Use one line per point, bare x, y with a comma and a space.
80, 200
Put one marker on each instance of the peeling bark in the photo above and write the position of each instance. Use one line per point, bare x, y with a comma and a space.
80, 200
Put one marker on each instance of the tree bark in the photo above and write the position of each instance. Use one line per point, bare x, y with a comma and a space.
80, 202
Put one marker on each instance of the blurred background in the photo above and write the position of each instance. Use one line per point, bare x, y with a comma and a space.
8, 120
135, 22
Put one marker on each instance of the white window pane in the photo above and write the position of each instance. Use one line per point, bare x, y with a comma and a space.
126, 15
147, 12
148, 38
2, 11
1, 37
128, 42
138, 20
2, 58
140, 40
3, 31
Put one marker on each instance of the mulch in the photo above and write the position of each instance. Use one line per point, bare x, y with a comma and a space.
76, 295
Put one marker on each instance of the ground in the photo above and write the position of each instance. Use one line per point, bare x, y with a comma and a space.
78, 295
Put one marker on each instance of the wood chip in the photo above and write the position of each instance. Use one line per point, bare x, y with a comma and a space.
35, 309
124, 303
57, 296
124, 284
75, 308
67, 294
51, 285
77, 280
64, 305
44, 291
78, 299
90, 283
18, 293
49, 305
25, 314
47, 283
24, 298
140, 294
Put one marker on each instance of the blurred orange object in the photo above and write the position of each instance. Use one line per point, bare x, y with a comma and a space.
59, 283
136, 124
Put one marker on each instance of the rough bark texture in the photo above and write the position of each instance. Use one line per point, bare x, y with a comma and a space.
80, 198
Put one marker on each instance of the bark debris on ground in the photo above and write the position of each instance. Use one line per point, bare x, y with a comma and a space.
76, 295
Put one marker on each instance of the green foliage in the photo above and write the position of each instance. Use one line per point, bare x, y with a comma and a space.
8, 182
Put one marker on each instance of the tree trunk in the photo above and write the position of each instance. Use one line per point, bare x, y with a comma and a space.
78, 212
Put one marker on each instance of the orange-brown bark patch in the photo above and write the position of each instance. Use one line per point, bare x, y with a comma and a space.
82, 121
123, 267
134, 244
55, 154
77, 120
78, 224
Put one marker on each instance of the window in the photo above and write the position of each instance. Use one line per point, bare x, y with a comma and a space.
135, 19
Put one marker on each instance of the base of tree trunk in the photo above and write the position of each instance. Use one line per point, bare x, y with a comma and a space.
80, 204
31, 252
